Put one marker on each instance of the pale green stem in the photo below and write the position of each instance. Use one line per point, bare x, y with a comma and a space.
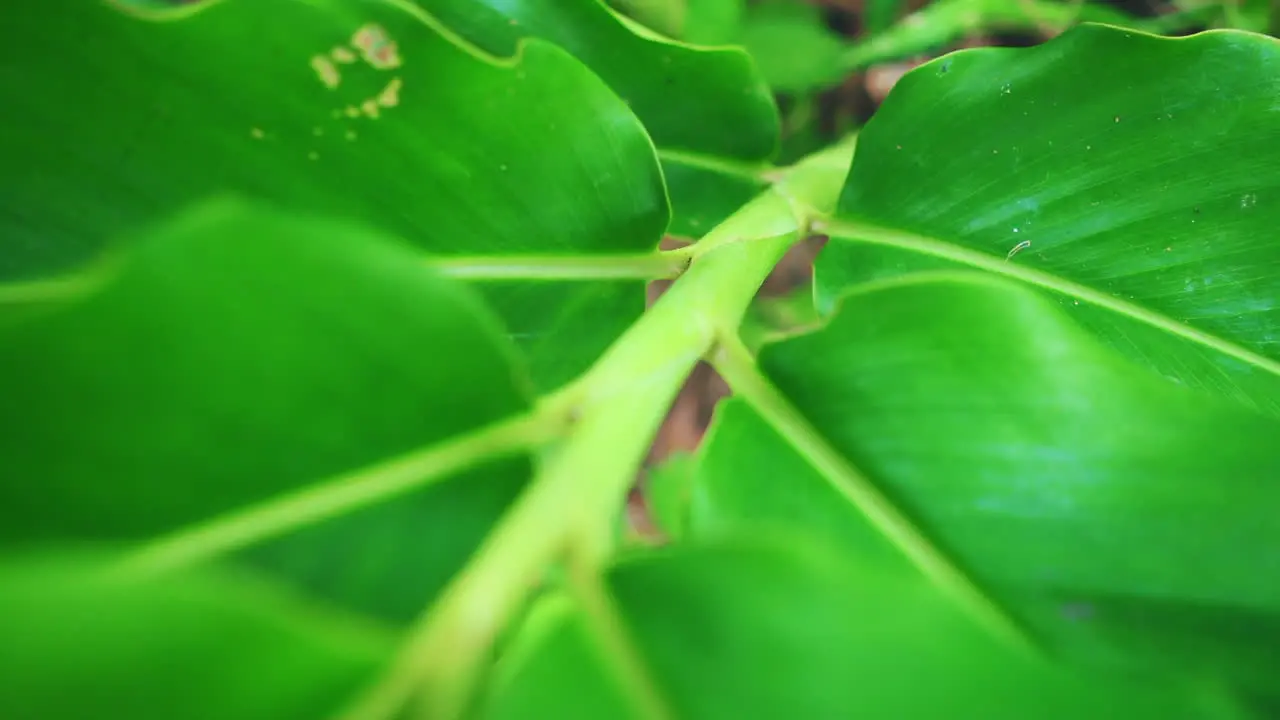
745, 170
343, 494
581, 485
617, 650
735, 364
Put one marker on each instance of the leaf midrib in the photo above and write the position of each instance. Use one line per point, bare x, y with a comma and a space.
735, 364
850, 231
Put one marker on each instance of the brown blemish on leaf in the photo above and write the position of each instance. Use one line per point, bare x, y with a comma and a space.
377, 48
390, 95
326, 71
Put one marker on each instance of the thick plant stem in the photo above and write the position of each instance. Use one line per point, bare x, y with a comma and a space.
622, 401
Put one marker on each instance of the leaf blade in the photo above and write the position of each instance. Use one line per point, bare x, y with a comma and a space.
1088, 182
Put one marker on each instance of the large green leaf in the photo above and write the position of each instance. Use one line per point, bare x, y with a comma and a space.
777, 627
356, 108
1117, 171
965, 421
207, 646
709, 113
773, 32
233, 356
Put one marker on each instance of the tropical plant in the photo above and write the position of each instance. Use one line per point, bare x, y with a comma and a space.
326, 372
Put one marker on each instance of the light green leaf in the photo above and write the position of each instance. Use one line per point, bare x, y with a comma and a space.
1037, 476
363, 109
235, 356
1119, 172
707, 163
776, 626
206, 646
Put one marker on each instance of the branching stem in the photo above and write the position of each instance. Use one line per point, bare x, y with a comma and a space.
584, 481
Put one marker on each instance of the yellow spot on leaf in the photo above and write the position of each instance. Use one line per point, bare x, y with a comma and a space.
257, 134
370, 108
390, 95
351, 134
327, 73
377, 48
342, 55
352, 111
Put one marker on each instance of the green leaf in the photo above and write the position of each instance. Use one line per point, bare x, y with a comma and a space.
712, 22
120, 117
777, 626
707, 163
234, 356
940, 24
206, 646
666, 492
880, 15
792, 46
1030, 471
1111, 169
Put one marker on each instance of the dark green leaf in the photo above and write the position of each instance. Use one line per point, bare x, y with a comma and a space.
116, 120
1135, 178
665, 82
778, 627
1129, 522
235, 355
212, 646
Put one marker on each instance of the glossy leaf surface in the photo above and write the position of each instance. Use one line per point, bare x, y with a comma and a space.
206, 647
709, 163
777, 627
234, 355
1134, 178
1126, 521
363, 110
